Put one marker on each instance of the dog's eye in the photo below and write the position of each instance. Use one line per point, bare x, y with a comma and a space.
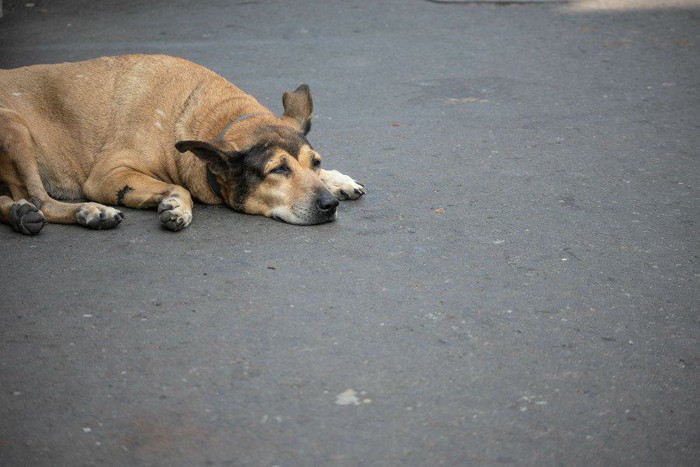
317, 163
281, 170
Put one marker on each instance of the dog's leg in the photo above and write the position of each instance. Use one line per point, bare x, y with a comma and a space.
21, 171
128, 187
17, 151
342, 186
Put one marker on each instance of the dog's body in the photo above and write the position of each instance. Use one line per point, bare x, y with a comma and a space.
153, 131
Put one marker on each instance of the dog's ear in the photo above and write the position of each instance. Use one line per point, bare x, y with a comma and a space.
298, 108
215, 155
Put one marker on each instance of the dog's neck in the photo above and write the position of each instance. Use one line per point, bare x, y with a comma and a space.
227, 128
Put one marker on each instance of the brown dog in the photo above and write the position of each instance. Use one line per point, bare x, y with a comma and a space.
154, 131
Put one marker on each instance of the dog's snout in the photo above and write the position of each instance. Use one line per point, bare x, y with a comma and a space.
327, 202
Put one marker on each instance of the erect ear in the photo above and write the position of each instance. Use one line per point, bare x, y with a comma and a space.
211, 153
298, 108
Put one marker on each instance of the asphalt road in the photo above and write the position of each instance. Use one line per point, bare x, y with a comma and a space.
519, 286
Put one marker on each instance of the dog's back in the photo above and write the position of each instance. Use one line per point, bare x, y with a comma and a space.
77, 109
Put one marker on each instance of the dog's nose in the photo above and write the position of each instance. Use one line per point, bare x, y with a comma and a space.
327, 202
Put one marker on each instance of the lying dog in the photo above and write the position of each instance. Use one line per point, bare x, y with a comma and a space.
154, 131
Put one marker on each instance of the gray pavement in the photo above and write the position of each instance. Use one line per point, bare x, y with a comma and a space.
519, 286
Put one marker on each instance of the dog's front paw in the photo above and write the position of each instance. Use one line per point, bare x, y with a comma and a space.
26, 218
173, 214
97, 216
342, 186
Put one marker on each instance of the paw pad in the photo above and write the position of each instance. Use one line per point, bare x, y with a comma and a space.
26, 218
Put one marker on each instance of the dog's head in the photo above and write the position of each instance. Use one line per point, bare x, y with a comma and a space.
275, 174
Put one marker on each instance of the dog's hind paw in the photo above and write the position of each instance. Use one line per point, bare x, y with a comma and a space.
98, 217
173, 215
26, 218
342, 186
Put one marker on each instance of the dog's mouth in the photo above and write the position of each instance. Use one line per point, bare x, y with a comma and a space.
298, 216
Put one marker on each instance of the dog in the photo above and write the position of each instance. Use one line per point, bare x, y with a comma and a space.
153, 131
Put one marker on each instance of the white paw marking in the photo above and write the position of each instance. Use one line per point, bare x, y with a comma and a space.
342, 186
97, 216
173, 214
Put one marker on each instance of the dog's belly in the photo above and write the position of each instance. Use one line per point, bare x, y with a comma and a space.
59, 182
64, 167
62, 190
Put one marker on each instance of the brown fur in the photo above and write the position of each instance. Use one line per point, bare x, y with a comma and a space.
105, 130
